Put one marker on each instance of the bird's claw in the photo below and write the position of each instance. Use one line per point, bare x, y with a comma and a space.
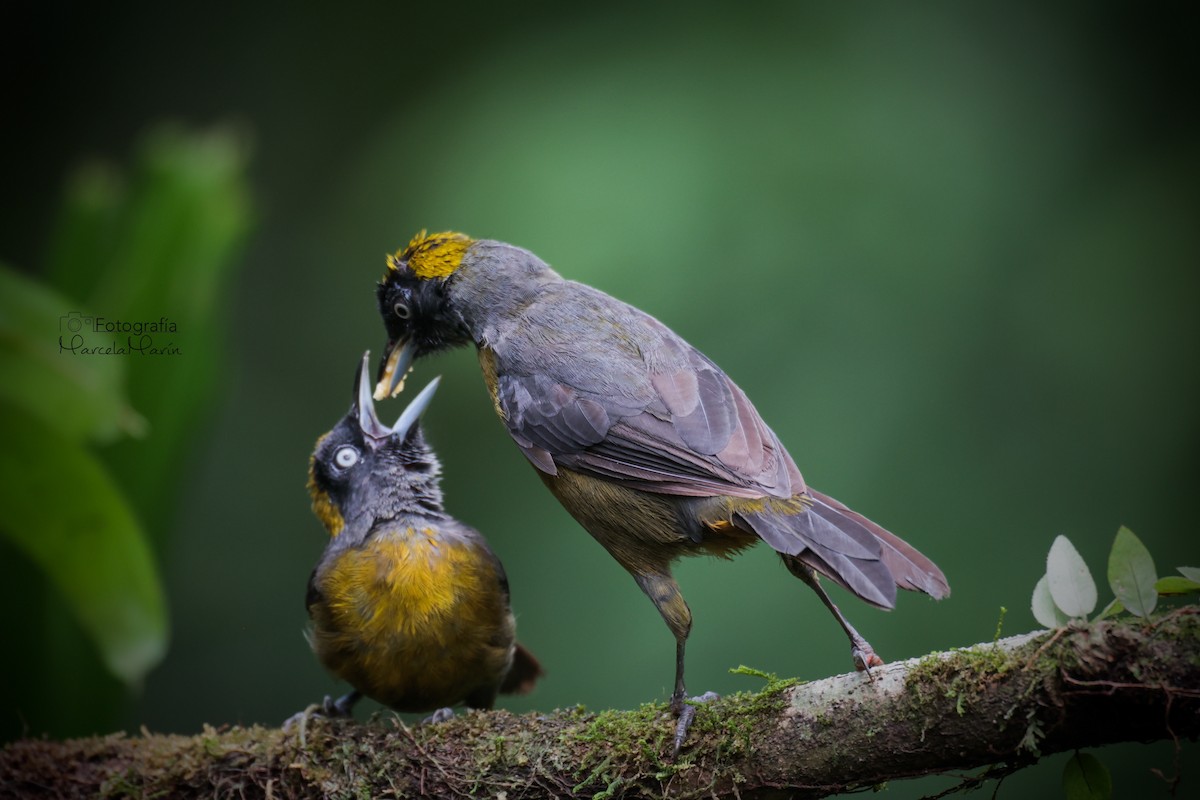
328, 708
686, 712
441, 715
301, 718
865, 657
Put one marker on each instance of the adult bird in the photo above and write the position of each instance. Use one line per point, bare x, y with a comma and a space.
642, 438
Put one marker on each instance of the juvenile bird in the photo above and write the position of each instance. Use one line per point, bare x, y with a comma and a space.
408, 605
644, 440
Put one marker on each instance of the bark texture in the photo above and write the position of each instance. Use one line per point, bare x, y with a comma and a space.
1001, 703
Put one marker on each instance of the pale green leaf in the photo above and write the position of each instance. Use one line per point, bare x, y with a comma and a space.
1044, 609
1131, 573
1174, 585
1191, 573
1071, 583
1086, 778
65, 513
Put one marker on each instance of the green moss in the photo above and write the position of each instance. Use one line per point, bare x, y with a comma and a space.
962, 675
621, 749
124, 784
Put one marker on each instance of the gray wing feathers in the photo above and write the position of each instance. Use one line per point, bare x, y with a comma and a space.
702, 407
637, 405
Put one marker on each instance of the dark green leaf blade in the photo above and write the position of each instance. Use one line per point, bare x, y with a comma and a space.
1086, 778
1071, 584
64, 511
1131, 573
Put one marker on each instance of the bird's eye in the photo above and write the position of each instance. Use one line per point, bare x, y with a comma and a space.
346, 457
402, 310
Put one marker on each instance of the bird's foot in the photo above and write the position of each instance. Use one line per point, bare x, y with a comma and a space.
685, 710
864, 656
441, 715
301, 718
329, 708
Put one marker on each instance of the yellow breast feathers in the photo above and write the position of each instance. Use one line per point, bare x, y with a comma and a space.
407, 583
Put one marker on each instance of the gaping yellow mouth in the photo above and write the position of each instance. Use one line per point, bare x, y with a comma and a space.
396, 368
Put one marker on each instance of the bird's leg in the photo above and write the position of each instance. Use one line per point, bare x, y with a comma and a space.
860, 649
343, 706
677, 697
664, 592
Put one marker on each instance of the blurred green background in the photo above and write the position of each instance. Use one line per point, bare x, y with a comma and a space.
950, 251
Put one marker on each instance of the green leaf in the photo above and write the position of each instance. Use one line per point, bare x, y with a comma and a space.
1044, 609
86, 237
757, 673
79, 396
1086, 778
1071, 583
1113, 608
1131, 573
1191, 573
164, 239
1174, 585
63, 510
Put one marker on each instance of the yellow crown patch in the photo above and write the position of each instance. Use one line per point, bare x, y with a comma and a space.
433, 255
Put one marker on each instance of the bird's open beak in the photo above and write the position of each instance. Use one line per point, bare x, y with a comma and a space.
413, 411
364, 404
394, 368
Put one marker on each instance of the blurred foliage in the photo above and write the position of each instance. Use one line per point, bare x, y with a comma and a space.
87, 542
82, 399
948, 250
87, 478
62, 508
159, 245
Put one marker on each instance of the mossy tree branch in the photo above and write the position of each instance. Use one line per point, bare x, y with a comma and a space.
1001, 703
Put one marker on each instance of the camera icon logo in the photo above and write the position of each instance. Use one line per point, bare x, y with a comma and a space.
72, 322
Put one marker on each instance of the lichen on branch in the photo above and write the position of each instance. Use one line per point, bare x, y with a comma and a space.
1005, 703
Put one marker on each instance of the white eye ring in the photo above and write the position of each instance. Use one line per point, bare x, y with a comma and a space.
402, 310
346, 457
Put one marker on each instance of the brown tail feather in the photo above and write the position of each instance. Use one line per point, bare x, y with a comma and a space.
523, 673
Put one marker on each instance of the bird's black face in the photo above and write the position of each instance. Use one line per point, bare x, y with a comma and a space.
339, 463
357, 472
361, 467
419, 320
